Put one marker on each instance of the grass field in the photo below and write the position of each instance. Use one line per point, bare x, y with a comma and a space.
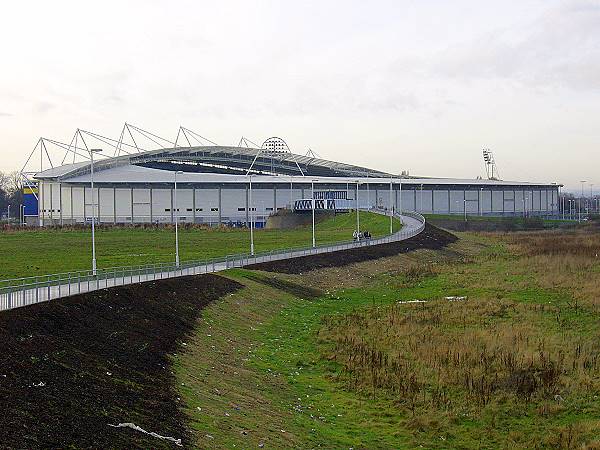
39, 252
335, 358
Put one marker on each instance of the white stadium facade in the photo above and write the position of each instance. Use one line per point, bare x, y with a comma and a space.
232, 185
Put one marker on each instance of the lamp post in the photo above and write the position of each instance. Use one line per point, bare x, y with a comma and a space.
357, 213
481, 201
368, 193
571, 208
21, 215
465, 208
8, 214
391, 209
92, 151
400, 205
291, 192
178, 172
314, 243
251, 217
581, 198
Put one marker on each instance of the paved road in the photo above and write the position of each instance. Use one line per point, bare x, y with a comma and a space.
29, 294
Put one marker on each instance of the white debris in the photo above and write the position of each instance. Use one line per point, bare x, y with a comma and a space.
411, 301
455, 299
150, 433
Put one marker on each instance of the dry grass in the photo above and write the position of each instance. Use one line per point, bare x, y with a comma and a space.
440, 358
567, 261
420, 352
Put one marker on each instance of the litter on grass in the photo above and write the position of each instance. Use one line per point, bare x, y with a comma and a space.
450, 299
150, 433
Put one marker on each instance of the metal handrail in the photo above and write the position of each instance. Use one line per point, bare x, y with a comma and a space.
23, 291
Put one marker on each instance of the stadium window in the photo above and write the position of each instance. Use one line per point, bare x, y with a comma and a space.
199, 209
269, 209
241, 209
167, 209
189, 209
214, 209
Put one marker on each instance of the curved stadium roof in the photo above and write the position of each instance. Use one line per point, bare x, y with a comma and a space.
221, 160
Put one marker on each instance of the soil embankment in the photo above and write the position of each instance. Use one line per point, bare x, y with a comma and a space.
431, 238
71, 368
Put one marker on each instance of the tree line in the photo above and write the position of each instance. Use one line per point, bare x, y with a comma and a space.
11, 193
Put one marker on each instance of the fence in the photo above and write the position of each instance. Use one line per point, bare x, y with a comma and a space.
19, 292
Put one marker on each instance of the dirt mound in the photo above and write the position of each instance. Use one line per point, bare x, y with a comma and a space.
431, 238
69, 368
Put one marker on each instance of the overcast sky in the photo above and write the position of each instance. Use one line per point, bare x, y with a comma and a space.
396, 85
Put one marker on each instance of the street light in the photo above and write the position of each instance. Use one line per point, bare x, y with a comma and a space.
391, 209
178, 172
291, 192
400, 205
571, 209
314, 244
582, 197
92, 151
481, 201
251, 217
357, 213
368, 193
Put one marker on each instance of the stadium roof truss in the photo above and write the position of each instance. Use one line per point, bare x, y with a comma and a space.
189, 152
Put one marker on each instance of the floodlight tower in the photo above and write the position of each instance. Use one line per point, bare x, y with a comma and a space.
491, 169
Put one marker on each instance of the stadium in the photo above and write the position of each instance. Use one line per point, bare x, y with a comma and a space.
233, 185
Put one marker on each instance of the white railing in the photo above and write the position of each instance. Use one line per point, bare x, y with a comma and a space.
25, 291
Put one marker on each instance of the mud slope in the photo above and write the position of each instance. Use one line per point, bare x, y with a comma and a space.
431, 238
70, 368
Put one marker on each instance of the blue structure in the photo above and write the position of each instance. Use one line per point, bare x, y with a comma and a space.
30, 201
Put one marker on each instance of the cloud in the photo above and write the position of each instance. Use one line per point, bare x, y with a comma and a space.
43, 107
558, 48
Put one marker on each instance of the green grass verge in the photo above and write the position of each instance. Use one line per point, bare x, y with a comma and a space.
39, 252
257, 370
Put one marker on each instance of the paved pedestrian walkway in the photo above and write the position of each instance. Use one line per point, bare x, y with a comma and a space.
66, 285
